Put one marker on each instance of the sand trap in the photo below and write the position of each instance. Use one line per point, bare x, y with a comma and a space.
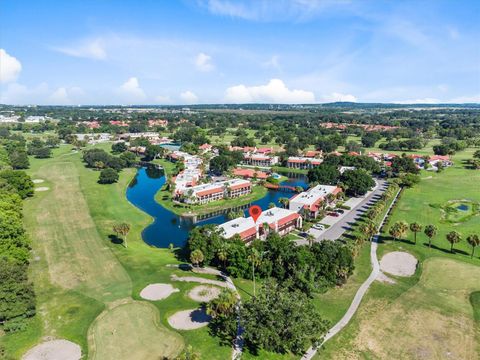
42, 188
54, 350
189, 319
37, 181
157, 291
399, 263
204, 293
385, 279
197, 279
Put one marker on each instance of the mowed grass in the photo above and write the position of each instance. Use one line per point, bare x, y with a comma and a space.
432, 319
123, 333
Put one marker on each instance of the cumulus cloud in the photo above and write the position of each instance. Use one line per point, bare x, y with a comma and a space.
10, 67
274, 92
161, 99
131, 91
203, 62
90, 49
64, 96
188, 97
338, 97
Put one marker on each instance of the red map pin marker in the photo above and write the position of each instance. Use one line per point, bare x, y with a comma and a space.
255, 211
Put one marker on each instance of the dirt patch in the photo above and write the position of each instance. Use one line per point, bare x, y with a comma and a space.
42, 188
189, 319
157, 291
37, 181
54, 350
399, 263
204, 293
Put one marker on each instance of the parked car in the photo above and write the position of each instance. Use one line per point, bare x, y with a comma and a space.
334, 214
318, 226
340, 211
303, 234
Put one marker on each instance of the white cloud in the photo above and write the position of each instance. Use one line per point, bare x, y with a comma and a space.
90, 49
64, 96
10, 67
131, 91
161, 99
274, 92
338, 97
203, 62
466, 99
188, 97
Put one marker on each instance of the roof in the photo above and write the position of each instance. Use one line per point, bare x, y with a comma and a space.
439, 157
241, 185
250, 173
312, 196
302, 160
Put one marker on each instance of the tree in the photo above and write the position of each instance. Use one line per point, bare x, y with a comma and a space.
254, 259
357, 182
430, 231
220, 164
324, 174
122, 229
119, 147
474, 241
310, 239
415, 228
284, 201
398, 230
453, 237
222, 254
19, 180
188, 354
298, 324
369, 228
196, 257
108, 176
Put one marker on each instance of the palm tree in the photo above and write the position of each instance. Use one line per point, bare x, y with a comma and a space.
415, 228
222, 254
474, 241
224, 304
284, 201
310, 239
369, 228
430, 231
403, 228
122, 229
398, 229
254, 259
453, 237
196, 257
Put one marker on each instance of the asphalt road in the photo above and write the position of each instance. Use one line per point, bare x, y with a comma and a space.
345, 221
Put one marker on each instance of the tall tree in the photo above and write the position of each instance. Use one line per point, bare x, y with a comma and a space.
123, 229
196, 257
415, 228
474, 241
254, 259
430, 231
453, 237
369, 228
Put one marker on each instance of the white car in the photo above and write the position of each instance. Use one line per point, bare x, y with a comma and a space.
318, 226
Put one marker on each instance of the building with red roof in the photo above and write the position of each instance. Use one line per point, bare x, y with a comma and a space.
247, 173
297, 162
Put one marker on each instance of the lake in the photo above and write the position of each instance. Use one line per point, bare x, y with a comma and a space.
168, 227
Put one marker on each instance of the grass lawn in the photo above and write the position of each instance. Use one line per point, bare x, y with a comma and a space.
431, 314
79, 273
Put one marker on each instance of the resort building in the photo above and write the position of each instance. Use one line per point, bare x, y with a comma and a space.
250, 173
260, 160
281, 221
309, 202
297, 162
202, 194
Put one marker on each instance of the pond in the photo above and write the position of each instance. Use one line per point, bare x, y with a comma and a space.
462, 207
168, 227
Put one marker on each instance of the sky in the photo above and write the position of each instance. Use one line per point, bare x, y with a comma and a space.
224, 51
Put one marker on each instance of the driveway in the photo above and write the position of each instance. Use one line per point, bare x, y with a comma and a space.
344, 222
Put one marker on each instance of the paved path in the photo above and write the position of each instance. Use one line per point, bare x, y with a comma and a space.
360, 292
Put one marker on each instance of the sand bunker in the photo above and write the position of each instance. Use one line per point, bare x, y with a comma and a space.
157, 291
189, 319
197, 279
204, 293
42, 188
37, 181
399, 263
54, 350
385, 279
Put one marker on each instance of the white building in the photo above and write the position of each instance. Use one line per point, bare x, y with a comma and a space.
308, 202
279, 220
202, 194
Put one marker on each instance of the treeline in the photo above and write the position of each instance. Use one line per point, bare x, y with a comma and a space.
17, 297
109, 165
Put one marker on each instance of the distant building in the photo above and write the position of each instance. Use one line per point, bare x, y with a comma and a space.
281, 221
297, 162
247, 173
202, 194
260, 160
35, 119
119, 123
309, 202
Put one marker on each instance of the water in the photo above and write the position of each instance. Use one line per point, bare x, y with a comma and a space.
462, 207
171, 228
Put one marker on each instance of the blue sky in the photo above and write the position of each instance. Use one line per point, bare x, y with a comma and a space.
217, 51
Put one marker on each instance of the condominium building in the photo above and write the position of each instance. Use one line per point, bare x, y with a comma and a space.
278, 220
260, 160
309, 202
298, 162
204, 193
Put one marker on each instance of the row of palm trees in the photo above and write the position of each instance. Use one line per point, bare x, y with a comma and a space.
399, 229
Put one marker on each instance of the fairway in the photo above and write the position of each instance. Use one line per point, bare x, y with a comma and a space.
432, 320
132, 331
78, 258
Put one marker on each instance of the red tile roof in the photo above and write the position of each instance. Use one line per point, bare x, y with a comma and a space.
247, 233
209, 192
287, 219
240, 186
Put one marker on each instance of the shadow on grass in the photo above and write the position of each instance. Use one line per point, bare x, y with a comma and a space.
115, 239
447, 251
